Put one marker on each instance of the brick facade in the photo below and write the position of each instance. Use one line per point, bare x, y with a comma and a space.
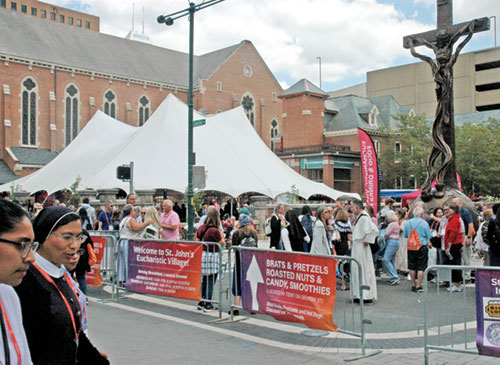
304, 120
51, 84
234, 84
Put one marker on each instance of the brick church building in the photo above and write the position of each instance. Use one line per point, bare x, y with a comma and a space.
54, 77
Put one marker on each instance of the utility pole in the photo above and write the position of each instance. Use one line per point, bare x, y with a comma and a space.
169, 20
319, 59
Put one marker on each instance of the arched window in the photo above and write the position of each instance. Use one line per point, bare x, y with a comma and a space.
249, 107
274, 128
144, 110
110, 103
71, 116
274, 133
29, 95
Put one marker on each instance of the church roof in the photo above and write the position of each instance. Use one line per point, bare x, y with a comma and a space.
6, 174
354, 113
33, 156
48, 41
303, 86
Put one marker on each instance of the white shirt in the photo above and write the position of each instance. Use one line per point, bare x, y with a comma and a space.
12, 307
49, 267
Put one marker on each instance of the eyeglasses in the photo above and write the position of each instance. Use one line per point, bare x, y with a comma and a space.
26, 247
69, 238
143, 213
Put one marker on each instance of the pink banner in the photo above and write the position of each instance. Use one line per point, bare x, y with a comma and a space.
370, 168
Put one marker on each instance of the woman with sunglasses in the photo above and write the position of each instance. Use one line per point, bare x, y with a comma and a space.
53, 322
16, 255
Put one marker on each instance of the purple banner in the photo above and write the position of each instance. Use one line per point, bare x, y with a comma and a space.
488, 312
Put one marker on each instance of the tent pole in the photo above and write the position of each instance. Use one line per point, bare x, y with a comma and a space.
131, 181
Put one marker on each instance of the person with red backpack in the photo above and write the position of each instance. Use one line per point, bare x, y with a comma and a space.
418, 233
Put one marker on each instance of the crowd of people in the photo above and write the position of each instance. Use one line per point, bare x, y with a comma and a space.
392, 241
42, 293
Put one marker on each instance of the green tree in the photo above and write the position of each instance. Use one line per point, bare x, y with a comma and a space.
478, 157
404, 152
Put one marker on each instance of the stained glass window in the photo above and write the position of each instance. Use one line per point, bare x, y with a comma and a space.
72, 113
29, 112
144, 108
110, 104
248, 106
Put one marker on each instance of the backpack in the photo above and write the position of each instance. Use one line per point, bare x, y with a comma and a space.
248, 241
150, 232
307, 222
267, 226
414, 243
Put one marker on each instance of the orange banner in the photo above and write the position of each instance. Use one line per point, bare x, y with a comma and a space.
94, 277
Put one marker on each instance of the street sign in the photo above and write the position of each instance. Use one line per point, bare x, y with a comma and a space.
199, 122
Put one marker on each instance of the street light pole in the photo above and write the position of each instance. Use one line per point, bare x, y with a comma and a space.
319, 59
169, 20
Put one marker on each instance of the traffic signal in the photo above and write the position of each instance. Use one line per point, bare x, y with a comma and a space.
123, 172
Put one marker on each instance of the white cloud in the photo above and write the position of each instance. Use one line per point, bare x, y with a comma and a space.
351, 36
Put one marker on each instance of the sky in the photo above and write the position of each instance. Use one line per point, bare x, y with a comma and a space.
350, 36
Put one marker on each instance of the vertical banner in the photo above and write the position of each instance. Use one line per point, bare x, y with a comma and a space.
488, 312
165, 268
94, 277
369, 168
289, 287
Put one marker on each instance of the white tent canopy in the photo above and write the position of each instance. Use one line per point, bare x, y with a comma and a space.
235, 158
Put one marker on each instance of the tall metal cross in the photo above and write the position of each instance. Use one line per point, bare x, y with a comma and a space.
441, 41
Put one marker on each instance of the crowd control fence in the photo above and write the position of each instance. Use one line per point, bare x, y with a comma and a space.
182, 269
466, 318
349, 317
107, 253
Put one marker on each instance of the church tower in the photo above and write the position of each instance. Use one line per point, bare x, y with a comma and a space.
303, 115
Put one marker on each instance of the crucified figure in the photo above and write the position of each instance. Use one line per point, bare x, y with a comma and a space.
442, 71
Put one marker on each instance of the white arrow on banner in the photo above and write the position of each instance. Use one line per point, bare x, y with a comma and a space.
254, 276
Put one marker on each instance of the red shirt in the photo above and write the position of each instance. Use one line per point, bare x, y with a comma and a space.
453, 234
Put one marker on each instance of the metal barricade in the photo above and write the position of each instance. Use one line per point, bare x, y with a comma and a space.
108, 266
454, 323
349, 320
211, 270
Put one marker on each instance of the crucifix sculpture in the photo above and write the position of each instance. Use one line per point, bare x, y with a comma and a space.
441, 42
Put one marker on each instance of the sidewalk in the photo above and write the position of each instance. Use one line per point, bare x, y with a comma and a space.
139, 338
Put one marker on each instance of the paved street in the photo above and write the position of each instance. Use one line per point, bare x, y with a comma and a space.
151, 333
156, 330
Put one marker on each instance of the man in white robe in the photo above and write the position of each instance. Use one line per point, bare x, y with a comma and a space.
365, 232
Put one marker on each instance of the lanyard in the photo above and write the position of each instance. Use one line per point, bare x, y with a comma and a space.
12, 336
78, 294
68, 307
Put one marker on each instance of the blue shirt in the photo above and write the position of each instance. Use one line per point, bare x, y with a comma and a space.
466, 218
422, 228
106, 219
